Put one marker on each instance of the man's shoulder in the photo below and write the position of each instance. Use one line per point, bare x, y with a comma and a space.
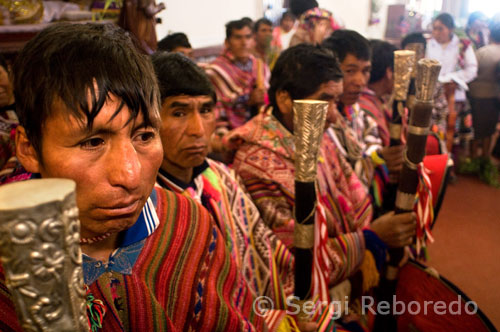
173, 207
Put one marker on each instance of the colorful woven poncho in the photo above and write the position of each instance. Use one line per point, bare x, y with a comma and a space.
183, 280
265, 262
233, 85
265, 162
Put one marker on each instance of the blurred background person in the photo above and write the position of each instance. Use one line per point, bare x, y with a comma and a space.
263, 35
283, 33
477, 29
485, 102
458, 68
176, 42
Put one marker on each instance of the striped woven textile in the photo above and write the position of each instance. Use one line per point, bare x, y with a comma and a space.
265, 162
356, 136
265, 262
378, 111
183, 280
233, 86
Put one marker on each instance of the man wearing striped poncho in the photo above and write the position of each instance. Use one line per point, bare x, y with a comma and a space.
153, 260
350, 247
188, 121
240, 79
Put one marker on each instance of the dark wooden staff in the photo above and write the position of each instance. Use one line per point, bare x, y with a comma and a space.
309, 123
418, 129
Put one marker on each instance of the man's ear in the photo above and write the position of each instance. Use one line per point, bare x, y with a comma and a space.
389, 73
284, 102
25, 152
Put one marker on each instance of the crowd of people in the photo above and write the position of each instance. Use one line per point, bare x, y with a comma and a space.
185, 171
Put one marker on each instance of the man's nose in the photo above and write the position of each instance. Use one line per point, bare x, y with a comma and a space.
195, 126
124, 167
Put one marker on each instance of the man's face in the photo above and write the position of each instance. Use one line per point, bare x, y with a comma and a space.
6, 93
330, 92
264, 35
114, 164
287, 24
356, 76
240, 43
187, 124
187, 51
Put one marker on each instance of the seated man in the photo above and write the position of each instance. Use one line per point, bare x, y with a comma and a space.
264, 49
176, 42
188, 121
356, 134
154, 258
265, 162
240, 80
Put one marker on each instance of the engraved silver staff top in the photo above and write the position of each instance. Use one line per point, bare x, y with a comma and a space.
309, 118
40, 253
427, 75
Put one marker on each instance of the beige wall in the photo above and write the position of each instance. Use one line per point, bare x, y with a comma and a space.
203, 21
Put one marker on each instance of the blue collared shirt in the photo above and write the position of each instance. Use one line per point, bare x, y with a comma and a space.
122, 260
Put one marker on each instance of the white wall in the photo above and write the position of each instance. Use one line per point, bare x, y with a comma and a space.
203, 21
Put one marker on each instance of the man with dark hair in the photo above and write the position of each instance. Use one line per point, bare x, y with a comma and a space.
188, 121
413, 38
240, 80
94, 118
265, 162
356, 133
263, 35
176, 42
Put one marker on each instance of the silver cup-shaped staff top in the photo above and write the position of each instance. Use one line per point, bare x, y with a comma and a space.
41, 256
309, 118
427, 76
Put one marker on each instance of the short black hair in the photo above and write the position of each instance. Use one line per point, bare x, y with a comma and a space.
495, 30
260, 21
178, 75
238, 25
382, 58
299, 7
446, 19
343, 42
73, 63
172, 41
414, 38
301, 69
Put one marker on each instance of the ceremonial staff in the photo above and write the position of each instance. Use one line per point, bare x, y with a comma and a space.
418, 48
308, 127
403, 68
40, 254
418, 129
